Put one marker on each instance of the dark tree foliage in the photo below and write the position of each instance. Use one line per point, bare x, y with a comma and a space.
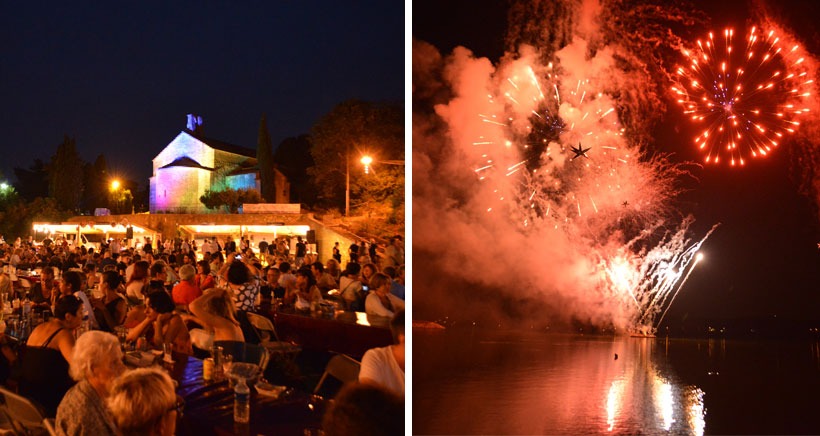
351, 130
33, 181
17, 219
229, 199
264, 158
97, 184
8, 197
293, 159
66, 176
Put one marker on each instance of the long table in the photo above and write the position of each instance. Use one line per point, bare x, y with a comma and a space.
209, 406
350, 333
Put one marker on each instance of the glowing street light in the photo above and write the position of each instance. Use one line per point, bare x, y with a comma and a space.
366, 161
115, 185
4, 186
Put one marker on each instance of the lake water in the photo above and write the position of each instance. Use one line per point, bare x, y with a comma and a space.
523, 382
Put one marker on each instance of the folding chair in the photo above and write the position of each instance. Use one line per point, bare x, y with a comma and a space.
25, 417
245, 352
342, 367
257, 354
264, 327
48, 423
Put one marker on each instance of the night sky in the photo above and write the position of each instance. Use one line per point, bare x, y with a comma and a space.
763, 261
120, 77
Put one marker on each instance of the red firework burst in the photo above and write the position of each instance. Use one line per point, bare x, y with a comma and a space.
743, 102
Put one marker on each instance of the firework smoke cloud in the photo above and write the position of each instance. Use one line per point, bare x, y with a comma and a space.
531, 182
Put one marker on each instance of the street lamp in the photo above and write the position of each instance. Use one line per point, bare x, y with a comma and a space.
366, 161
347, 181
115, 186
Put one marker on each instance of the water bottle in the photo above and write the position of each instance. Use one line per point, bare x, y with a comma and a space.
241, 402
26, 308
217, 355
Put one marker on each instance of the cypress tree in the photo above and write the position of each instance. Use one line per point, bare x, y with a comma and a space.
264, 158
66, 175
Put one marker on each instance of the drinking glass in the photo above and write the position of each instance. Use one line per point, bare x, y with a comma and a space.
227, 361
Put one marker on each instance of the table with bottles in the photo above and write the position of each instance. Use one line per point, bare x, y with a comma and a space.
209, 405
18, 318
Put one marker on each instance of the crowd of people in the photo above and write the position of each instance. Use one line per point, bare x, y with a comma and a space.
174, 293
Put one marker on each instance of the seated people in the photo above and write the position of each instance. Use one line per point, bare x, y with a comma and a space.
368, 271
215, 311
305, 292
332, 268
350, 288
136, 282
364, 409
385, 366
396, 287
143, 402
95, 363
48, 353
91, 277
186, 290
111, 309
42, 291
71, 284
380, 301
324, 281
271, 289
158, 272
204, 279
242, 280
286, 278
161, 325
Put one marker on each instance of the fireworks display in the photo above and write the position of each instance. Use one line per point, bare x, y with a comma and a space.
539, 171
744, 96
552, 155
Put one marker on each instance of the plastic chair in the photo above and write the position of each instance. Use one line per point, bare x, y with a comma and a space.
25, 417
264, 327
342, 367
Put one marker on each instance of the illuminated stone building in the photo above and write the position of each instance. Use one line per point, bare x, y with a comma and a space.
192, 163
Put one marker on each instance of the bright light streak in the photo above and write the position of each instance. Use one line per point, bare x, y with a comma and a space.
614, 401
697, 413
664, 402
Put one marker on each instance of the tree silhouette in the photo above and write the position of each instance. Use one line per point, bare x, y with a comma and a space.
264, 158
353, 128
66, 175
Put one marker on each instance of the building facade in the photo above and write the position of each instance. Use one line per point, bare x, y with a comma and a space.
192, 163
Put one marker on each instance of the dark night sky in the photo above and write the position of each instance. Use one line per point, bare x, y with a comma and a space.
764, 259
120, 77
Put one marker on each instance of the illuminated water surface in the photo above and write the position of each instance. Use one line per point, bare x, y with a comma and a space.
513, 382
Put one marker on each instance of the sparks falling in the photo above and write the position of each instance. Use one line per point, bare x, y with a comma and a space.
743, 101
558, 160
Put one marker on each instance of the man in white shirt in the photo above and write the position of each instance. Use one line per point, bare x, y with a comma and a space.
287, 280
385, 366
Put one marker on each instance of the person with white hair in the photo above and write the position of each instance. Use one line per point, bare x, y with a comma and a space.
143, 402
186, 290
95, 363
